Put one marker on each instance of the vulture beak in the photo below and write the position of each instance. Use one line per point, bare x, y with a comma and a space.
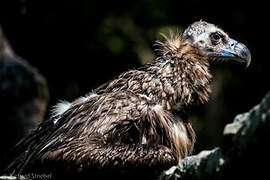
235, 51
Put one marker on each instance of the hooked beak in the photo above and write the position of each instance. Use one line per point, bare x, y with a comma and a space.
235, 51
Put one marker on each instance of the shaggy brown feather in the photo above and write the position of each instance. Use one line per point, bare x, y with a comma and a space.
131, 121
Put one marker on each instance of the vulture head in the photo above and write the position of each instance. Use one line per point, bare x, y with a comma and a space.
215, 43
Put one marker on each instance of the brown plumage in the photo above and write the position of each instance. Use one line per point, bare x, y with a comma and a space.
136, 120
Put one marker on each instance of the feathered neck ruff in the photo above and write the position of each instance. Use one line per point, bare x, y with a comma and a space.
183, 70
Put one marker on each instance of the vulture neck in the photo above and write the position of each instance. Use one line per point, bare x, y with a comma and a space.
183, 71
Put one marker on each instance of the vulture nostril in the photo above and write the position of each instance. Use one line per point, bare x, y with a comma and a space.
201, 42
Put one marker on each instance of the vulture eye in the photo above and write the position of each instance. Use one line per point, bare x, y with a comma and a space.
216, 36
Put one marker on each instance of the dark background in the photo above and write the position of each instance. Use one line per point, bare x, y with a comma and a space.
80, 44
